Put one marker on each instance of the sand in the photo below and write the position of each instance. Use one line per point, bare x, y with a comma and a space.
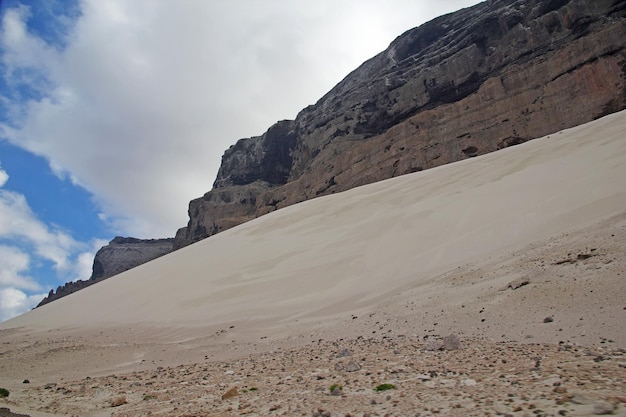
520, 253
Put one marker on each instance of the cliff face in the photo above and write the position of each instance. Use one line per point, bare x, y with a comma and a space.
471, 82
124, 253
121, 254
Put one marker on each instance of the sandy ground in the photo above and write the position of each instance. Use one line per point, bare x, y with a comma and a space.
521, 254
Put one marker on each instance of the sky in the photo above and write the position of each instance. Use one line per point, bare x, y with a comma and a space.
115, 114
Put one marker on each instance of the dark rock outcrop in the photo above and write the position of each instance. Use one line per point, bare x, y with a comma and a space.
121, 254
124, 253
471, 82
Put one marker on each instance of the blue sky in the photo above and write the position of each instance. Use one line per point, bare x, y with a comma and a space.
114, 114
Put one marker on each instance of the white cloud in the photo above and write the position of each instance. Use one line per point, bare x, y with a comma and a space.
4, 177
18, 222
27, 242
147, 95
14, 302
13, 264
72, 260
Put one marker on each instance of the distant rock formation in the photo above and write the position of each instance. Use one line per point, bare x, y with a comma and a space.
121, 254
467, 83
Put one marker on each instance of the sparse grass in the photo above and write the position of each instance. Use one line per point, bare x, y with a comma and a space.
332, 387
4, 392
384, 387
254, 389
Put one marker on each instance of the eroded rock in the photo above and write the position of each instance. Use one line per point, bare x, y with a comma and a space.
484, 78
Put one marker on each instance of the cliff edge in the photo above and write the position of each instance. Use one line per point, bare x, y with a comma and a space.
467, 83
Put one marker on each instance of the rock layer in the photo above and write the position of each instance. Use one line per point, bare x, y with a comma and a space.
471, 82
121, 254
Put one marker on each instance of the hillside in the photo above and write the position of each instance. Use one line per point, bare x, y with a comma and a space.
465, 84
520, 252
441, 234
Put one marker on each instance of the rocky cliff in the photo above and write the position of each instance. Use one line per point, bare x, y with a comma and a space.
121, 254
471, 82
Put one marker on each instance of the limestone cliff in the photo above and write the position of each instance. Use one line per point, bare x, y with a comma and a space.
471, 82
121, 254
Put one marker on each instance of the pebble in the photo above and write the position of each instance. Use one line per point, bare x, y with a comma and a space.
352, 366
471, 381
603, 408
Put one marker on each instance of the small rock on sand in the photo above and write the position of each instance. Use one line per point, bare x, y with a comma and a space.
352, 366
230, 393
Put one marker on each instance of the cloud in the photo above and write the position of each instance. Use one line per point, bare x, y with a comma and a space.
19, 225
20, 292
14, 302
18, 222
25, 243
14, 263
145, 97
4, 177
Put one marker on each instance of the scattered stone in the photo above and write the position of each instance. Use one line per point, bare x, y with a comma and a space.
548, 320
518, 283
603, 408
344, 352
352, 366
118, 401
580, 400
434, 345
451, 342
26, 381
495, 374
230, 393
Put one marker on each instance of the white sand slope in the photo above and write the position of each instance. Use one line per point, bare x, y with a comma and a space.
341, 253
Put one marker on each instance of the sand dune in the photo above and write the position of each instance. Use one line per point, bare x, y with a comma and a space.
527, 244
335, 253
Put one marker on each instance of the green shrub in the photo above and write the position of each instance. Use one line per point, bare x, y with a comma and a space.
332, 387
254, 389
4, 392
384, 387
